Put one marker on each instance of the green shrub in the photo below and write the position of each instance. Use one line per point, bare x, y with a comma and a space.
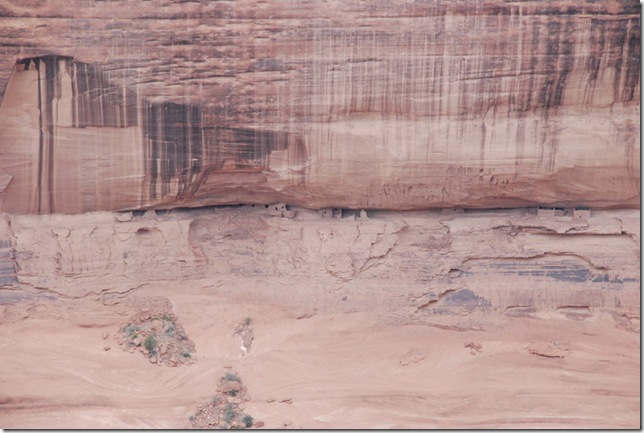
248, 420
131, 329
170, 330
231, 377
151, 343
229, 413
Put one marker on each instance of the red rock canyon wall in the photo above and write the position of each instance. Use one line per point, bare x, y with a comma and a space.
112, 105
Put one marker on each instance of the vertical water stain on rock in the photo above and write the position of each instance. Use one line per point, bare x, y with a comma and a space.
173, 146
176, 150
97, 102
415, 106
181, 152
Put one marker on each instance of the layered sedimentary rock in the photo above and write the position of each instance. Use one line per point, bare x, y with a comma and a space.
417, 264
421, 319
121, 105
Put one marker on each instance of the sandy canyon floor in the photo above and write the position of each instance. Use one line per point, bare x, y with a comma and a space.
497, 319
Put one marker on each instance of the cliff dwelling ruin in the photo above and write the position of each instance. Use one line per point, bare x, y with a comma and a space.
331, 214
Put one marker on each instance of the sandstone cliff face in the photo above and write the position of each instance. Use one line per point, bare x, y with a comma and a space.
417, 264
121, 105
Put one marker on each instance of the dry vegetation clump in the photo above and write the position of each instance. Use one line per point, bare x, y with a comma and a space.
159, 336
225, 410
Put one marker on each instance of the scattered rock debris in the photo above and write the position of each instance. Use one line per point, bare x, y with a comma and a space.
225, 410
549, 349
628, 321
474, 347
159, 336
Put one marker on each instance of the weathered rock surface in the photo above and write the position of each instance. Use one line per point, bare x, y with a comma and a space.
122, 105
508, 262
485, 319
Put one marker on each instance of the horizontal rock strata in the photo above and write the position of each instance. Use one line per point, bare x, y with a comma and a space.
420, 264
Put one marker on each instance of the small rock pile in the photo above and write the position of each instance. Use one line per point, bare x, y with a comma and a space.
225, 410
474, 347
244, 330
159, 336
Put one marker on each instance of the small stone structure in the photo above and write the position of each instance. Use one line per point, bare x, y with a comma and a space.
545, 212
280, 210
330, 212
581, 213
575, 212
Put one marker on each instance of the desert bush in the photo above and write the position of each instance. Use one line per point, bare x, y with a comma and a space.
170, 330
150, 343
131, 329
247, 420
231, 377
229, 413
